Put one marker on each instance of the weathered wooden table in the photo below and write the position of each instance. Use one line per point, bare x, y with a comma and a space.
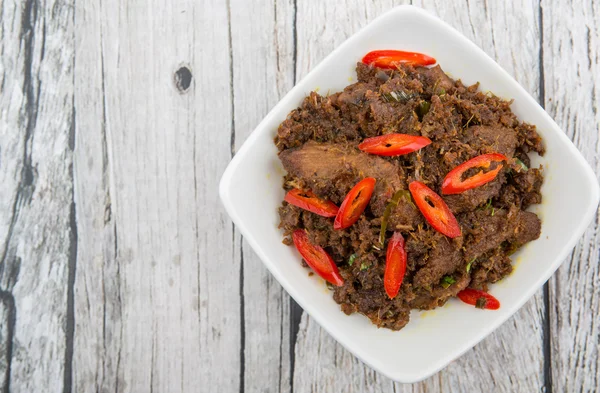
120, 270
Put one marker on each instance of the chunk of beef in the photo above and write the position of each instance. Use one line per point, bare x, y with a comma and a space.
487, 229
444, 258
353, 95
523, 188
428, 299
385, 118
473, 198
434, 77
289, 216
372, 75
358, 239
442, 121
401, 90
529, 227
529, 184
529, 139
491, 268
363, 292
331, 170
495, 139
405, 217
317, 119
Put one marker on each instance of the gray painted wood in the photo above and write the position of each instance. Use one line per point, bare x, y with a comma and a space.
37, 246
157, 291
120, 270
571, 95
266, 51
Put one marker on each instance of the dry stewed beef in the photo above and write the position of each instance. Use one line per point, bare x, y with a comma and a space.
318, 144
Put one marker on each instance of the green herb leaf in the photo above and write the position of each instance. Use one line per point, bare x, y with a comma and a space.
522, 165
398, 96
405, 194
447, 281
423, 109
364, 266
489, 203
469, 265
493, 211
351, 259
511, 249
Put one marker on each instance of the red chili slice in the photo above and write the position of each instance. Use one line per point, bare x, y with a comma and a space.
354, 204
307, 200
391, 58
479, 299
454, 183
317, 258
395, 265
393, 144
434, 209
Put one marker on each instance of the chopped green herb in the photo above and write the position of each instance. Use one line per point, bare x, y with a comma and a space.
351, 259
511, 249
493, 211
469, 265
442, 92
364, 266
488, 204
522, 165
423, 109
397, 96
447, 281
405, 195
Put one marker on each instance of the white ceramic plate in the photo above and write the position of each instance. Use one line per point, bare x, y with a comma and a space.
251, 192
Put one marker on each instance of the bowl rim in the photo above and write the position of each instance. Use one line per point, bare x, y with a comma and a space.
442, 361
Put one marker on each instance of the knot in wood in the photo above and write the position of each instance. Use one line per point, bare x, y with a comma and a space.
183, 79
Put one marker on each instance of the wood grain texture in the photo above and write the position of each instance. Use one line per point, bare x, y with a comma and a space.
157, 309
571, 60
512, 358
263, 60
99, 313
36, 251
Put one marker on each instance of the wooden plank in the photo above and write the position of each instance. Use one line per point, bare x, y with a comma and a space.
7, 325
37, 245
571, 61
263, 71
157, 308
98, 291
322, 364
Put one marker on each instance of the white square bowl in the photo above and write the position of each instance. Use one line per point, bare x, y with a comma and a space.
251, 192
